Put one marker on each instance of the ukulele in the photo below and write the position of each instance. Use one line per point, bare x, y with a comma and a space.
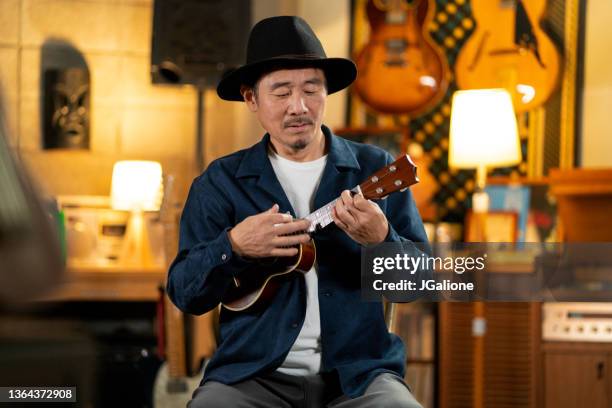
510, 50
401, 69
260, 283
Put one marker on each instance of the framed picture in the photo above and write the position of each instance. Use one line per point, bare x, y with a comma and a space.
499, 226
542, 225
531, 199
513, 197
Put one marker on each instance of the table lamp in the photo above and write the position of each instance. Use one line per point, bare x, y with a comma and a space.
136, 187
483, 134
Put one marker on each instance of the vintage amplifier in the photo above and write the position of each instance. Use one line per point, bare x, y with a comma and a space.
95, 232
577, 321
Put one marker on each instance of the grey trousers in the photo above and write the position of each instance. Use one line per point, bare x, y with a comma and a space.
315, 391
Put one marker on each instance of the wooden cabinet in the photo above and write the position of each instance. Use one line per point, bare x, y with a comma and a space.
86, 282
496, 370
578, 375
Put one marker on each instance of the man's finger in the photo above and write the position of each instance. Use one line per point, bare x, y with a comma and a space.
290, 240
344, 216
361, 203
291, 227
272, 210
339, 222
277, 219
347, 199
284, 252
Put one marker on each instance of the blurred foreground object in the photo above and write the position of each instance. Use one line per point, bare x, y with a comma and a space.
30, 253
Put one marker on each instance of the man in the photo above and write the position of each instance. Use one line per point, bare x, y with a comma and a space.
316, 343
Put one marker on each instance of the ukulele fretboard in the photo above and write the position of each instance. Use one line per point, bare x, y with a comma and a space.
321, 217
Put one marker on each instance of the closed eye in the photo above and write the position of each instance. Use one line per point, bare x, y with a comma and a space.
311, 89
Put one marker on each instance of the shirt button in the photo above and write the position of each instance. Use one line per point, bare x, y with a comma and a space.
328, 294
223, 257
294, 325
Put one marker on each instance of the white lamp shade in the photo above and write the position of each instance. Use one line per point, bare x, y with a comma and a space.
483, 130
136, 185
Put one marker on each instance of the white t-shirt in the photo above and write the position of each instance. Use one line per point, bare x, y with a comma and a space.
300, 181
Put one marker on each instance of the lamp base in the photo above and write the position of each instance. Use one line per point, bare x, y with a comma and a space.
480, 208
480, 202
136, 249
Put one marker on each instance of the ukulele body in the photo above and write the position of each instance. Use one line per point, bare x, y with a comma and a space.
260, 284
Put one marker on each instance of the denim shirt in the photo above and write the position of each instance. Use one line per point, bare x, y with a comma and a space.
354, 338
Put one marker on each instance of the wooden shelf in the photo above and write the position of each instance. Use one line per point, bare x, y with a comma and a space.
579, 295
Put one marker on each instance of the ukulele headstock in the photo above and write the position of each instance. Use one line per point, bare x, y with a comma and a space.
398, 175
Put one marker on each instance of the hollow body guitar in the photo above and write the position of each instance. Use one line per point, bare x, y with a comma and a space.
259, 284
510, 50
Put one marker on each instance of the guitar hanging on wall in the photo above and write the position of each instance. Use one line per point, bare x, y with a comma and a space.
401, 69
510, 50
260, 283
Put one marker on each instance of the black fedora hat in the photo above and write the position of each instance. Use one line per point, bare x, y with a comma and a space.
285, 42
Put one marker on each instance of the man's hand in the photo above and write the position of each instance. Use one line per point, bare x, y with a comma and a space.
361, 219
263, 235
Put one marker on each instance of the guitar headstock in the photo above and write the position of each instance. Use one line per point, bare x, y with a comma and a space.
399, 175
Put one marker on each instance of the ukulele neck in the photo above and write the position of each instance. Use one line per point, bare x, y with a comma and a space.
397, 176
322, 217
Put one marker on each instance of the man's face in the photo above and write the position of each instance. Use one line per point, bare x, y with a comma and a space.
290, 105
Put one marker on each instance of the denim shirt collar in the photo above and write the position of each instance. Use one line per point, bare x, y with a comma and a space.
340, 158
255, 162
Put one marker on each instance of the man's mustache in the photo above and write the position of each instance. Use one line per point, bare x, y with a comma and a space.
297, 121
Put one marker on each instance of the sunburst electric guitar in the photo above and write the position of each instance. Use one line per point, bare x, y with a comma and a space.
260, 283
401, 68
510, 50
